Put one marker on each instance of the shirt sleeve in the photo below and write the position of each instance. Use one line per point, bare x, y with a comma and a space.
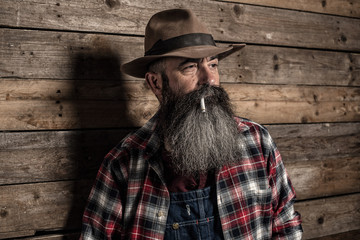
286, 221
102, 217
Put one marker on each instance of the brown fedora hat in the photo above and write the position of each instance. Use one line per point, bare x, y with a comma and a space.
176, 33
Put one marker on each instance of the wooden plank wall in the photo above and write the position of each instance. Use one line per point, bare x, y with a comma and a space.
64, 102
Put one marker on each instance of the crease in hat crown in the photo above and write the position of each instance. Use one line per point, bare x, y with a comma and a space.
171, 23
175, 33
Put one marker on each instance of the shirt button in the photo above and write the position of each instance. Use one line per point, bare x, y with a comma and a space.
160, 214
175, 226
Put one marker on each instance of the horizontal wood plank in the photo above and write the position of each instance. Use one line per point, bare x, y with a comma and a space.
329, 216
50, 205
347, 8
311, 179
16, 234
35, 115
31, 105
322, 159
227, 21
58, 236
65, 90
310, 142
355, 234
42, 206
59, 55
319, 178
52, 156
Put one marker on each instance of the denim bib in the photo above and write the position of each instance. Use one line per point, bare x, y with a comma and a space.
193, 215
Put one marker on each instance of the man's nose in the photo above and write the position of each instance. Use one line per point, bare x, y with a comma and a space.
206, 75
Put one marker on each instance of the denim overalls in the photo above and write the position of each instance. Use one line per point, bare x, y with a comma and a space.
193, 215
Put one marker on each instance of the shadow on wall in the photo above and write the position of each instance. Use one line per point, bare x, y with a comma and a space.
99, 99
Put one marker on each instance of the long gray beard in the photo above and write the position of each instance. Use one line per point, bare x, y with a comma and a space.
199, 141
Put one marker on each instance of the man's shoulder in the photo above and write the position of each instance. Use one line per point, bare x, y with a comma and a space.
245, 124
255, 133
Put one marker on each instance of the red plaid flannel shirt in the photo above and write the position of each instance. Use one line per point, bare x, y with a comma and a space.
129, 199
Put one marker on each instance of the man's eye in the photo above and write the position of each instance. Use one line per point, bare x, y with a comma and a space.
190, 67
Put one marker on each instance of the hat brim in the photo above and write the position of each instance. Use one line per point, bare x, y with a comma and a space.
138, 67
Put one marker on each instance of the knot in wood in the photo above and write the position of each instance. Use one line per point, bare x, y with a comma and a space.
112, 3
3, 213
238, 10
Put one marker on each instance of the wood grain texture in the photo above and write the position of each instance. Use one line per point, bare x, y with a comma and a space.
65, 236
48, 205
322, 159
45, 115
355, 234
329, 216
64, 102
312, 142
347, 8
64, 90
42, 206
47, 104
59, 55
328, 177
227, 21
53, 156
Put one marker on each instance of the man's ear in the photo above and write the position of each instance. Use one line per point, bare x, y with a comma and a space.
154, 80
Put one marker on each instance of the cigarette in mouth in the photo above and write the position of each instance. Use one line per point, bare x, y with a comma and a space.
202, 105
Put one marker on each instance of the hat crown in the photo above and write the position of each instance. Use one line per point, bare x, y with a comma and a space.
171, 23
176, 33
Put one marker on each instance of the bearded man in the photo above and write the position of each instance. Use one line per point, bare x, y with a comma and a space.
194, 171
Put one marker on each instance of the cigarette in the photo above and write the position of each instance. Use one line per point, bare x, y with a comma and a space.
202, 105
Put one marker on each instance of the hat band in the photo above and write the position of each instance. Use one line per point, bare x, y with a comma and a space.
187, 40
